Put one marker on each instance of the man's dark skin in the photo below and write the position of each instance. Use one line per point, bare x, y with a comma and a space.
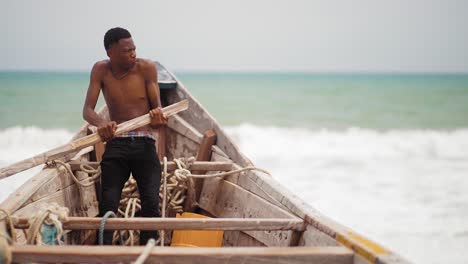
130, 88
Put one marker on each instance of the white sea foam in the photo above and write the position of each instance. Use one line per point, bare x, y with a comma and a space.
402, 188
18, 143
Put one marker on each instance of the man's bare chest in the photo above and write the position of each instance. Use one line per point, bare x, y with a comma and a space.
129, 88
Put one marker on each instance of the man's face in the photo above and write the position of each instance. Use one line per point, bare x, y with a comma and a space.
123, 52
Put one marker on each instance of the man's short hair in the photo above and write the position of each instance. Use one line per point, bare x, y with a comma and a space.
113, 36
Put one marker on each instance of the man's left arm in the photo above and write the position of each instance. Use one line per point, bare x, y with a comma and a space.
151, 79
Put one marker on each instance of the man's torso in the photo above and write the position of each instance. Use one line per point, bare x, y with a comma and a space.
126, 97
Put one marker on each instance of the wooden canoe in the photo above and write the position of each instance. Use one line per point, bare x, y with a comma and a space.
262, 221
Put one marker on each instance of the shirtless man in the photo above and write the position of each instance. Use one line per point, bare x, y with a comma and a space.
130, 88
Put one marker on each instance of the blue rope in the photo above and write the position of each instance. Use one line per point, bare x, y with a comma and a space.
103, 224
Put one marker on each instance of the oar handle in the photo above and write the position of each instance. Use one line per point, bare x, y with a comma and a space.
87, 141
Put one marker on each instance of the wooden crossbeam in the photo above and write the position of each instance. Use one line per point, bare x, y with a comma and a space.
197, 165
142, 223
99, 254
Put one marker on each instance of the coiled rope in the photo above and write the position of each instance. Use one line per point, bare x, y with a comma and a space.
177, 182
96, 173
172, 192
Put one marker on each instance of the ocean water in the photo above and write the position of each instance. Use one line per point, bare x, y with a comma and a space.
384, 154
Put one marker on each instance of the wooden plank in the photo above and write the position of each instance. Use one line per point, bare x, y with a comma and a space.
63, 181
197, 165
141, 223
272, 190
68, 197
83, 142
88, 197
245, 180
94, 254
82, 201
314, 238
23, 193
240, 239
195, 185
179, 146
98, 149
217, 151
160, 143
204, 152
5, 249
224, 199
60, 182
179, 125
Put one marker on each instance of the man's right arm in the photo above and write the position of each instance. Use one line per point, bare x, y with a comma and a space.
105, 129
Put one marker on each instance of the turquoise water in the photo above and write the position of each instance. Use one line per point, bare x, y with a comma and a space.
359, 148
334, 101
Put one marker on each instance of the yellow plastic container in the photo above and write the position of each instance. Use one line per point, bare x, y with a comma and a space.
196, 238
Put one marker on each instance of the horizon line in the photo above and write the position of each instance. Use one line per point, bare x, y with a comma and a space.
206, 71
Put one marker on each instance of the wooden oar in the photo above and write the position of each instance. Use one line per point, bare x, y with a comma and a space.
86, 141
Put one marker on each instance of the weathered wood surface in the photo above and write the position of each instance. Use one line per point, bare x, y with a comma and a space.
267, 188
195, 185
201, 120
204, 152
240, 239
88, 196
160, 143
86, 141
182, 127
179, 125
61, 182
98, 148
179, 146
171, 165
56, 184
68, 197
94, 254
24, 193
5, 250
315, 238
81, 201
224, 199
141, 223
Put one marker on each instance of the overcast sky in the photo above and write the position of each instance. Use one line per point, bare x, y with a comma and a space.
241, 35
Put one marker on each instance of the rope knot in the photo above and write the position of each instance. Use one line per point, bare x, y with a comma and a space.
182, 174
49, 214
